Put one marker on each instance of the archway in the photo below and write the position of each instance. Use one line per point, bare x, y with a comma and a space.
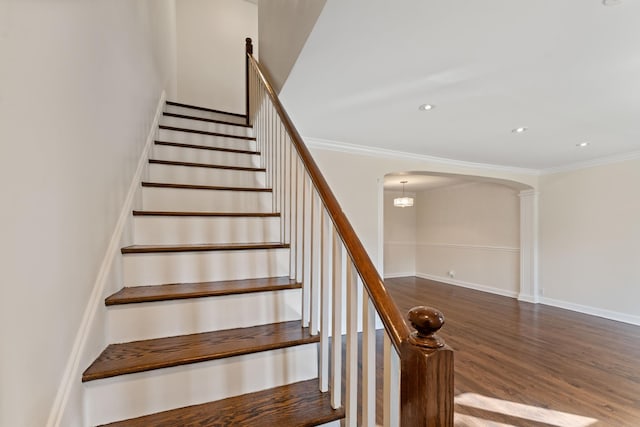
517, 253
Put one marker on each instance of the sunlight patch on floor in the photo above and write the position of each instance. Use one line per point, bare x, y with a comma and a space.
517, 410
461, 420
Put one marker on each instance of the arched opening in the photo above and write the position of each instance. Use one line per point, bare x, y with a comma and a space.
469, 231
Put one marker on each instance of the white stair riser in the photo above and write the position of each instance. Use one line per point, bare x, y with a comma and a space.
205, 114
166, 230
207, 266
132, 322
205, 176
180, 199
134, 395
206, 140
211, 157
206, 126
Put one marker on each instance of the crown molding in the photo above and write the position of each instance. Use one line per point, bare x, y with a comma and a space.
603, 161
344, 147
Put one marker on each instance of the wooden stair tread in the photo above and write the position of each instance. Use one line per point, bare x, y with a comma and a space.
200, 247
211, 110
212, 214
174, 291
298, 404
206, 132
206, 147
146, 355
203, 119
204, 187
205, 165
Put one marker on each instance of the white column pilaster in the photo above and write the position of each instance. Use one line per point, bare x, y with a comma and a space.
529, 286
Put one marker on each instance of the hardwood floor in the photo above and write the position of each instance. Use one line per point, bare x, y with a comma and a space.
520, 364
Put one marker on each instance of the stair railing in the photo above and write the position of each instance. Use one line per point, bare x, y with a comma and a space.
328, 258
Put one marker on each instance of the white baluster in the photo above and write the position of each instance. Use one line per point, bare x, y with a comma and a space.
306, 250
327, 233
391, 388
336, 365
351, 398
299, 220
368, 361
293, 214
316, 275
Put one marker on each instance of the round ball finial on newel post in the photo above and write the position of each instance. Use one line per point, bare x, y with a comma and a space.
248, 44
426, 321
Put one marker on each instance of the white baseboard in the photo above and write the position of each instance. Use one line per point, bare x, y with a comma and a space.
528, 298
593, 311
396, 275
72, 372
477, 287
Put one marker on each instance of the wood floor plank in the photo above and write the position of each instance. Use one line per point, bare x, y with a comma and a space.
294, 405
200, 247
544, 358
138, 294
140, 356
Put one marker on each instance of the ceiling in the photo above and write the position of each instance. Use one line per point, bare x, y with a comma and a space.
568, 71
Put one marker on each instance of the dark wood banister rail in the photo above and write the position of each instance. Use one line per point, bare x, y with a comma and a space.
389, 314
427, 388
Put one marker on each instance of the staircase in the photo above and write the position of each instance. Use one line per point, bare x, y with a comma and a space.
207, 330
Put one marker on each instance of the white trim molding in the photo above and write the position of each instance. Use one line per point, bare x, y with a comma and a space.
471, 247
73, 371
469, 285
593, 311
344, 147
399, 243
397, 275
602, 161
529, 286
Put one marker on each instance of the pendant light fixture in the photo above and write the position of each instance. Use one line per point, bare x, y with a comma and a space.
403, 202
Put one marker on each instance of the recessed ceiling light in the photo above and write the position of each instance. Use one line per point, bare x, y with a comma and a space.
582, 144
426, 107
519, 130
611, 2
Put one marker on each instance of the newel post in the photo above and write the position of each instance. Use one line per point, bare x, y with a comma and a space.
426, 396
248, 45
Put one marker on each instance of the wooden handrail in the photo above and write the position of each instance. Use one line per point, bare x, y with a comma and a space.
391, 317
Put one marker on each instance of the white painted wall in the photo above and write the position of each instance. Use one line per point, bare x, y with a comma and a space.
211, 46
590, 239
284, 26
589, 244
354, 174
399, 237
79, 86
472, 229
